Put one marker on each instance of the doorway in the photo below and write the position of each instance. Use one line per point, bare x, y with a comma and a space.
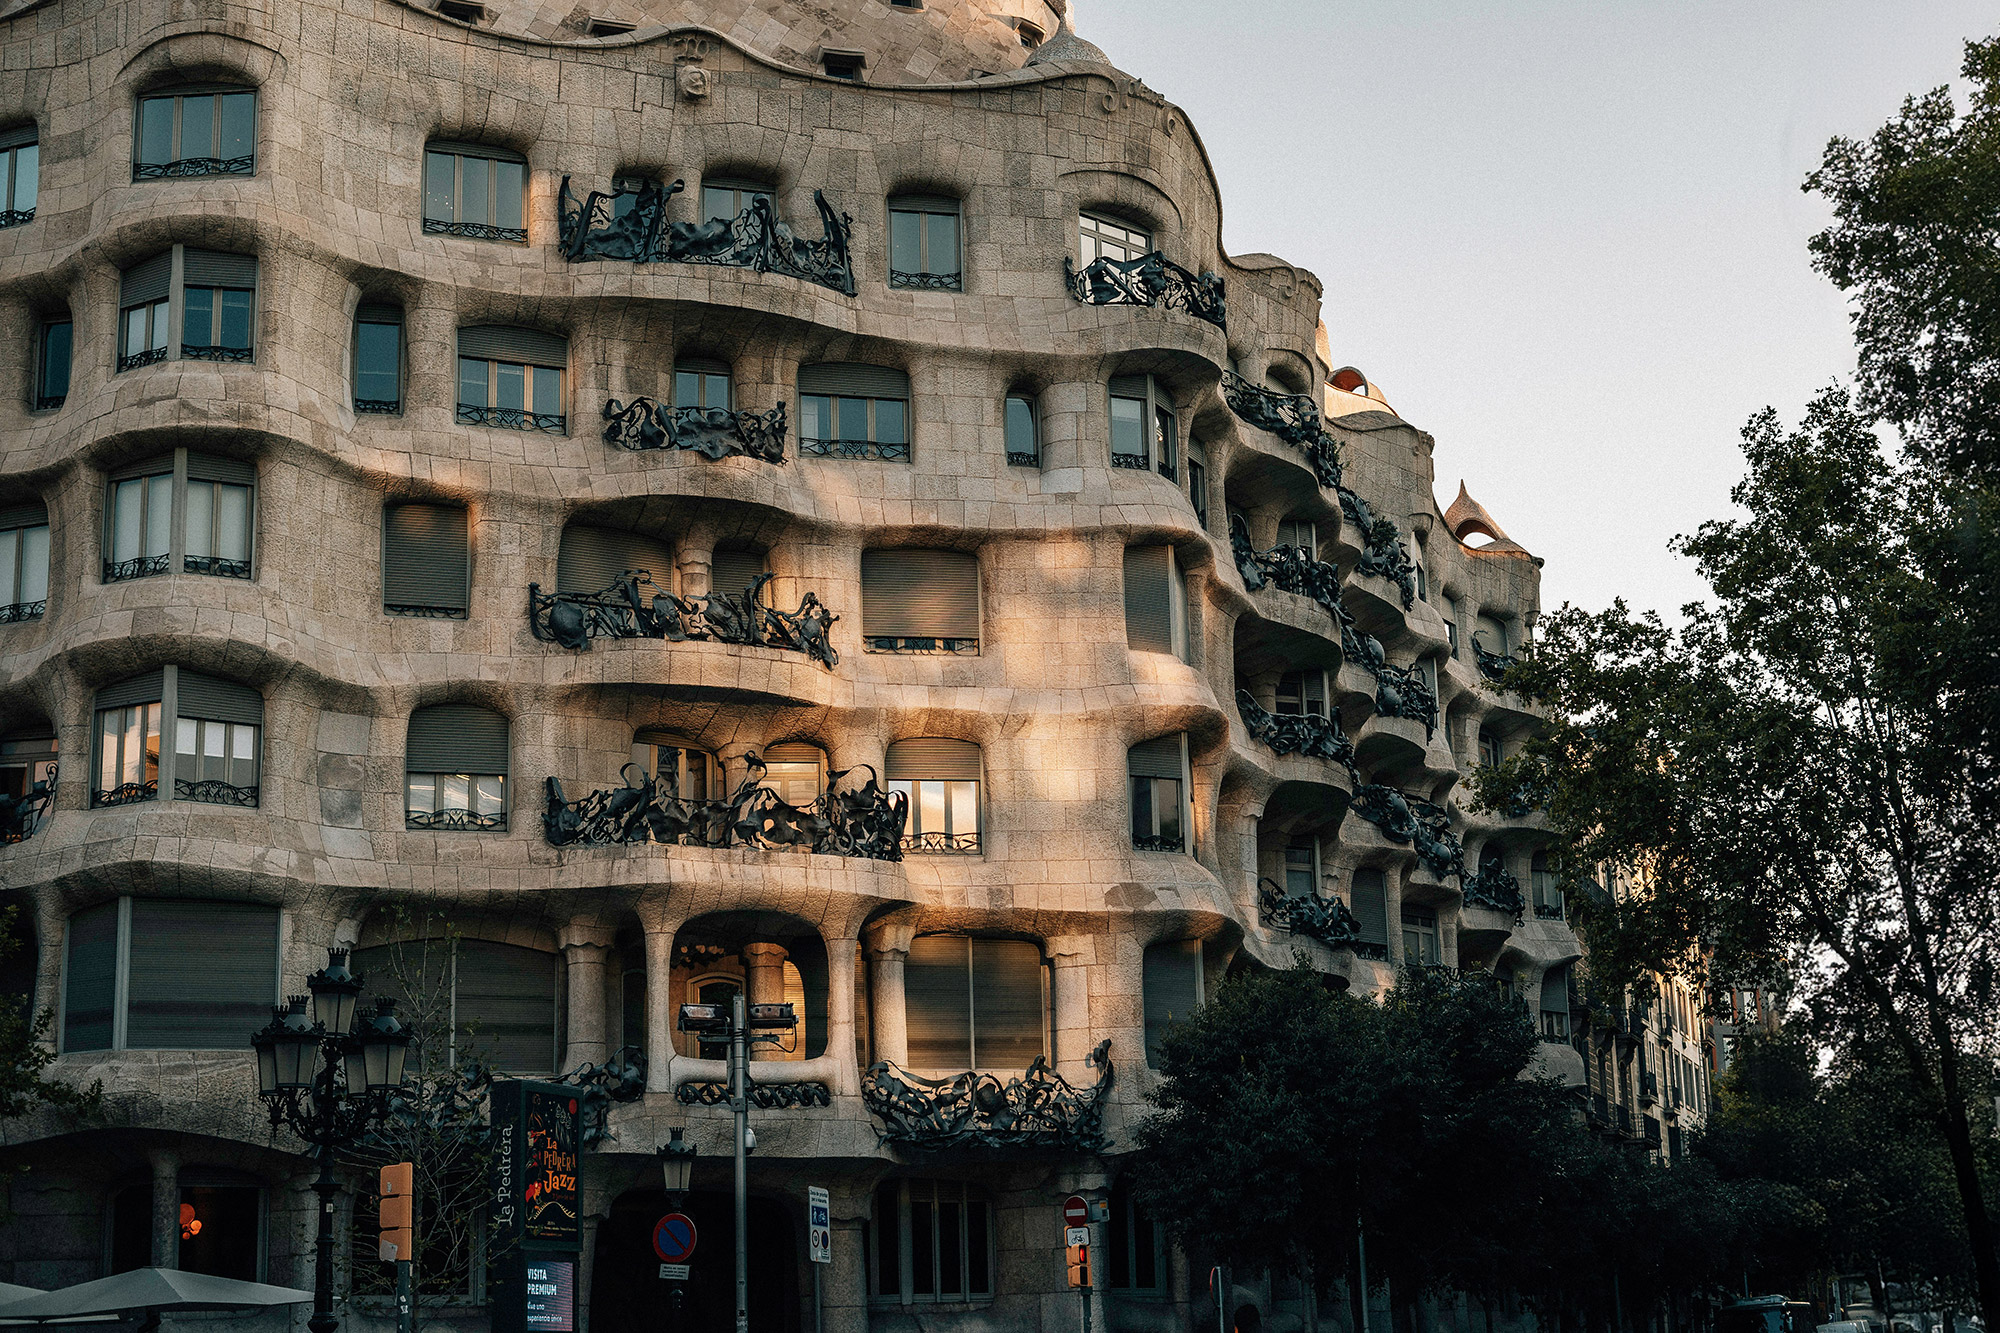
627, 1294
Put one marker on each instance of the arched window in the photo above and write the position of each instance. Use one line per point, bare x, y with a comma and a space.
218, 735
1172, 983
497, 1000
473, 190
941, 777
126, 741
924, 243
219, 516
512, 378
1144, 430
919, 601
854, 411
128, 983
456, 762
975, 1003
1491, 635
1157, 772
20, 174
198, 130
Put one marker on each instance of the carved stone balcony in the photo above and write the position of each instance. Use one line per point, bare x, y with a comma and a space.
1039, 1109
1307, 734
22, 816
1494, 887
1151, 279
1415, 821
754, 239
1292, 417
625, 611
1288, 568
1399, 691
850, 818
712, 432
195, 166
1383, 554
1324, 919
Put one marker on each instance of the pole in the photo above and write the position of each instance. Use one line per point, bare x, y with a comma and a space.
739, 1102
323, 1319
405, 1305
1085, 1292
819, 1318
1361, 1262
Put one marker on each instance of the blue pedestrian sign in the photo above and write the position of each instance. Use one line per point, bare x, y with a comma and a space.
673, 1238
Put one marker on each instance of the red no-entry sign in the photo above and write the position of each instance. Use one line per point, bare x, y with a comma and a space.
673, 1238
1076, 1213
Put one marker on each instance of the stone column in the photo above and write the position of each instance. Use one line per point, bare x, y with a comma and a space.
659, 1001
166, 1208
584, 949
888, 946
844, 1284
764, 978
840, 964
1072, 957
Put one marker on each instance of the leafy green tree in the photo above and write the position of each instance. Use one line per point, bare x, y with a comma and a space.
26, 1050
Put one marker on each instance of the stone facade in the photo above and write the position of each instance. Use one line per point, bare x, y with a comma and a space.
348, 96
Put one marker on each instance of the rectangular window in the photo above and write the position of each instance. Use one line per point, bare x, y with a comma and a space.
1157, 770
218, 529
426, 561
1138, 1255
1155, 602
476, 192
20, 175
702, 385
944, 816
1198, 481
24, 564
1165, 438
1128, 432
52, 353
215, 323
947, 1232
378, 360
1420, 937
174, 1006
511, 395
1171, 981
144, 337
1023, 445
832, 427
1302, 868
1302, 693
196, 132
139, 525
727, 200
1104, 238
128, 755
924, 243
974, 1003
210, 756
456, 800
919, 601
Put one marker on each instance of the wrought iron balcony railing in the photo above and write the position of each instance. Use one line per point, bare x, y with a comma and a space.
882, 451
15, 217
1399, 691
1158, 842
49, 402
420, 612
1151, 279
927, 282
850, 818
1309, 734
195, 166
455, 821
20, 611
947, 844
1015, 458
1288, 568
754, 239
1549, 912
21, 817
1038, 1109
1383, 554
1493, 666
1129, 462
764, 1096
1415, 821
712, 432
219, 566
1493, 887
379, 407
1292, 417
625, 610
1324, 919
213, 791
128, 793
138, 567
922, 645
478, 231
152, 356
512, 418
214, 352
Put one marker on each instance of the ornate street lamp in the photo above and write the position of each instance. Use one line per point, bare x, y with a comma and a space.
329, 1078
676, 1165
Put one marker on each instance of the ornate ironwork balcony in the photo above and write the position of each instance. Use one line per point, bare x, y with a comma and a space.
214, 352
948, 844
379, 407
849, 818
15, 217
1493, 666
1307, 734
195, 166
20, 611
1151, 279
1549, 912
138, 567
927, 282
49, 402
1413, 820
754, 239
152, 356
1292, 417
213, 791
713, 432
512, 418
880, 450
1040, 1109
1288, 568
129, 793
620, 1079
478, 231
1158, 842
1324, 919
1383, 554
21, 817
624, 611
1399, 691
919, 645
765, 1096
455, 821
220, 566
1493, 887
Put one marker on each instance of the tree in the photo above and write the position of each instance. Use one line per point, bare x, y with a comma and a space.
26, 1050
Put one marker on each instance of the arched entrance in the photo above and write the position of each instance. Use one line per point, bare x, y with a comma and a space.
627, 1294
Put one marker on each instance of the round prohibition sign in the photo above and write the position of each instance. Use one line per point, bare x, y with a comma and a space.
673, 1238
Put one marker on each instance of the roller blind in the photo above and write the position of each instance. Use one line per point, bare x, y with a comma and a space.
456, 738
925, 203
215, 700
732, 570
703, 365
592, 558
1371, 906
937, 1002
212, 268
507, 1005
145, 467
854, 381
494, 342
90, 978
1008, 1025
1149, 614
1555, 991
370, 313
920, 594
28, 514
1156, 758
1172, 983
203, 974
143, 689
147, 281
424, 557
793, 752
932, 757
211, 467
473, 150
16, 137
1128, 386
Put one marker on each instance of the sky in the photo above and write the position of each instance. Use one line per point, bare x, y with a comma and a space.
1567, 239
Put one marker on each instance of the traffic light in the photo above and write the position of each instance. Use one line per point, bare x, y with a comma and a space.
1078, 1259
399, 1213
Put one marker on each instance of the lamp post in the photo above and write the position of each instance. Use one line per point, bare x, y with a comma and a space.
676, 1165
328, 1078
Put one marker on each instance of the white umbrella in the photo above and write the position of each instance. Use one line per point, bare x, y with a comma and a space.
147, 1291
10, 1292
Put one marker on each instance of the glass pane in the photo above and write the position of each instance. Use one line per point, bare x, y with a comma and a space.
1163, 435
201, 518
242, 741
474, 189
438, 168
232, 522
34, 564
239, 125
951, 1270
55, 359
420, 793
197, 127
472, 386
510, 183
27, 173
378, 362
941, 231
131, 751
198, 316
454, 791
510, 386
1167, 809
128, 500
853, 418
135, 331
963, 798
687, 388
717, 202
923, 1248
815, 418
1128, 428
928, 817
888, 1240
490, 793
236, 318
158, 325
906, 242
214, 751
109, 723
151, 724
1020, 426
715, 391
1142, 808
156, 131
1145, 1267
548, 391
10, 568
159, 514
890, 421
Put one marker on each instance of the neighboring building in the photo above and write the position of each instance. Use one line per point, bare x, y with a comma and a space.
760, 506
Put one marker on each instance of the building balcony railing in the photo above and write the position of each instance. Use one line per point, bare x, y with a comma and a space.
378, 407
217, 565
16, 217
922, 645
927, 282
49, 402
138, 567
1399, 691
1040, 1109
754, 239
1288, 568
1493, 666
418, 611
1308, 734
1129, 462
21, 817
1324, 919
881, 451
1549, 912
152, 356
942, 844
21, 611
478, 231
1383, 554
713, 432
1015, 458
128, 793
1151, 279
213, 791
455, 821
1493, 887
1292, 417
512, 418
626, 610
195, 166
850, 818
214, 352
1158, 842
1415, 821
1649, 1088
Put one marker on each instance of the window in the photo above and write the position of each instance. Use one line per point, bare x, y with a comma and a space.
1420, 937
499, 999
1545, 886
1369, 892
632, 1008
1030, 35
1198, 480
219, 517
378, 359
1138, 1247
725, 200
1302, 693
1024, 448
1491, 635
127, 741
1300, 533
128, 982
592, 560
941, 778
975, 1003
1489, 749
472, 190
426, 561
218, 300
797, 772
702, 383
27, 757
924, 243
217, 731
915, 601
20, 175
512, 378
24, 562
1156, 612
1302, 868
1172, 982
608, 28
52, 355
1143, 429
1157, 771
198, 131
842, 64
733, 569
462, 11
221, 1225
696, 774
1451, 624
1106, 238
456, 766
854, 411
930, 1242
142, 311
27, 777
1423, 583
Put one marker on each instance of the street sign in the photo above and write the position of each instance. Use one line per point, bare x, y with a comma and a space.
673, 1238
674, 1272
1076, 1236
1076, 1213
819, 1225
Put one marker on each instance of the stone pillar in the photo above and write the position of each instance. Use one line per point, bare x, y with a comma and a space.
844, 1284
166, 1208
840, 964
586, 1269
764, 983
659, 1003
1072, 957
584, 949
888, 946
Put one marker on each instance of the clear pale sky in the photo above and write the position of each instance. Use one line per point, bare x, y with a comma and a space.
1567, 239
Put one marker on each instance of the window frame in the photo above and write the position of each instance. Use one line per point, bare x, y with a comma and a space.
490, 229
704, 377
183, 164
1159, 430
742, 190
176, 557
15, 606
210, 790
1152, 839
1100, 233
525, 417
1197, 480
905, 1190
121, 997
1031, 456
840, 446
12, 214
646, 747
157, 330
151, 724
379, 406
45, 362
924, 277
215, 349
457, 818
1421, 924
